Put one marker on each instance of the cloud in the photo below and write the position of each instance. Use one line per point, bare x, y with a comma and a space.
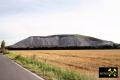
97, 18
8, 7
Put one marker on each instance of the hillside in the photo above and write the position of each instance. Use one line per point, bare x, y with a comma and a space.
61, 41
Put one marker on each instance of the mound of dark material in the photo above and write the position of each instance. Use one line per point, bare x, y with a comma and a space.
61, 42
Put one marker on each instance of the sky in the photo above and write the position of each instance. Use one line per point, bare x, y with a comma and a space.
20, 19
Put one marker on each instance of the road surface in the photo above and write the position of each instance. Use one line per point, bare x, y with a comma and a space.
11, 71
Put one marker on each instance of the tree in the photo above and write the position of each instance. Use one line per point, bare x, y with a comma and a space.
3, 46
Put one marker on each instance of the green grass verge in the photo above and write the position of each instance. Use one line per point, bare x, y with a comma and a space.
47, 71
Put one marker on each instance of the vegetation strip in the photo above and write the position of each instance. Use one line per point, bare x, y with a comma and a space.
47, 71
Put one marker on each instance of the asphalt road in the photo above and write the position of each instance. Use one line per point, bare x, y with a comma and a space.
11, 71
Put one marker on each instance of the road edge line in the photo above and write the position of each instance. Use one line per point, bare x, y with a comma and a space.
28, 71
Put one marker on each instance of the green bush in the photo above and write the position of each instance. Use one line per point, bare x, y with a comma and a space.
6, 52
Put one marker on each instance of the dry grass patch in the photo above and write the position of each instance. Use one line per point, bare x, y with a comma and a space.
81, 61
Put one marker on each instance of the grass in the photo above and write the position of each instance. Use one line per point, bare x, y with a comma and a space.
76, 60
85, 62
46, 70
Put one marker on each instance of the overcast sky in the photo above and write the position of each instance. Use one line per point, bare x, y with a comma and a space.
22, 18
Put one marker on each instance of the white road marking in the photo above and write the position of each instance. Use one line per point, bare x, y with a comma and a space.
29, 71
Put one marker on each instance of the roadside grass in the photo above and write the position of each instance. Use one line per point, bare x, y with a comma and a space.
47, 71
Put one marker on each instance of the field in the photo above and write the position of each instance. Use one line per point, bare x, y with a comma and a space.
82, 61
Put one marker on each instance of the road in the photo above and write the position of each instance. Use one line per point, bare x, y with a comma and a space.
9, 70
